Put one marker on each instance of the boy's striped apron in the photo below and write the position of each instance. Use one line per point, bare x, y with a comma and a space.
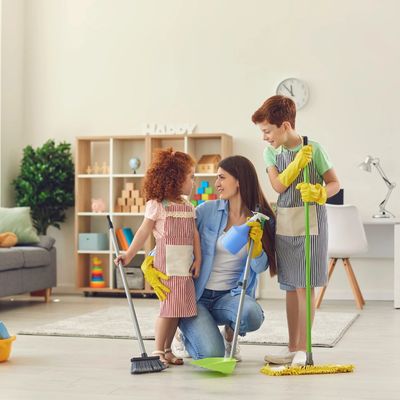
174, 257
290, 231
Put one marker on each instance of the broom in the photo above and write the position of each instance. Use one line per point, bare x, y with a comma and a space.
309, 368
144, 363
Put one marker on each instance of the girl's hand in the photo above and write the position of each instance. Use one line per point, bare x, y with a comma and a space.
195, 269
121, 258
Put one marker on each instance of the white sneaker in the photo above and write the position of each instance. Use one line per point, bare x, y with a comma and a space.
300, 358
178, 346
284, 356
228, 348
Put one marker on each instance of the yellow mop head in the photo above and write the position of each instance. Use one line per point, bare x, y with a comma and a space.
307, 370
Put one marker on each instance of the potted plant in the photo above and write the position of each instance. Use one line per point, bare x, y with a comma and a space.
46, 184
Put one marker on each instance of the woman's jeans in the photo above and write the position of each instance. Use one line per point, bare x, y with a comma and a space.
202, 336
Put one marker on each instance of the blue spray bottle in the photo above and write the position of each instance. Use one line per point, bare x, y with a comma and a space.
238, 236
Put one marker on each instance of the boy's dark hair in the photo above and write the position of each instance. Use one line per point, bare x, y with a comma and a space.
251, 193
276, 110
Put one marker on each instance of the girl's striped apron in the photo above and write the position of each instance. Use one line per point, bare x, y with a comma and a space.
290, 231
174, 257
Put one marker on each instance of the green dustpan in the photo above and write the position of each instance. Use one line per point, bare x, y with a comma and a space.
218, 364
226, 365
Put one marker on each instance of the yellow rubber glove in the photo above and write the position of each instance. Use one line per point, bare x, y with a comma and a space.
255, 233
153, 276
292, 171
312, 193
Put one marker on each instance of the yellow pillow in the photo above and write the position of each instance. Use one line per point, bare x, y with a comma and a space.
8, 239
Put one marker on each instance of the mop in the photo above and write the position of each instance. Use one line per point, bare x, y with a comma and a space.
144, 363
309, 368
233, 241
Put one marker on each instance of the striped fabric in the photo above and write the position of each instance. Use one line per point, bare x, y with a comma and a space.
290, 249
178, 230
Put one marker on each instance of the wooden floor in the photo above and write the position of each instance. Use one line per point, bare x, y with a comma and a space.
59, 368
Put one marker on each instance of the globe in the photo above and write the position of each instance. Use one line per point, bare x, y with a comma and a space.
134, 163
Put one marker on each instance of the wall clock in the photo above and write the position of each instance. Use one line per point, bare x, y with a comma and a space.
296, 89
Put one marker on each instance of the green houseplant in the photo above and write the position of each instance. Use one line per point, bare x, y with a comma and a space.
46, 184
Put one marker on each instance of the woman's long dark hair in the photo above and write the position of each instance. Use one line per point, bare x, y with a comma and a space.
251, 193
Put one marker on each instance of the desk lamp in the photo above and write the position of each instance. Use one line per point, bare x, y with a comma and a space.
366, 166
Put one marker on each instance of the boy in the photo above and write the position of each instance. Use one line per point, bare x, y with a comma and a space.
285, 159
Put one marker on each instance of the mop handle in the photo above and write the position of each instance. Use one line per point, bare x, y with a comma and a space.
308, 267
241, 301
126, 287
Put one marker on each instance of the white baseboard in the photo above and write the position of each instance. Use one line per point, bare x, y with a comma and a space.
385, 295
340, 295
66, 289
381, 295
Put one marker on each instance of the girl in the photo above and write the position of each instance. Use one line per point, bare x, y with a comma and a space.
285, 159
171, 219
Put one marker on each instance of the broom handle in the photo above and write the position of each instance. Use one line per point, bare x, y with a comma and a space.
308, 269
241, 301
126, 287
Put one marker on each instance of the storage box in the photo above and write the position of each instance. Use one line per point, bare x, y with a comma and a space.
93, 241
134, 276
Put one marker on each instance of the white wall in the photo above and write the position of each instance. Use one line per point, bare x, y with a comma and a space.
11, 93
106, 67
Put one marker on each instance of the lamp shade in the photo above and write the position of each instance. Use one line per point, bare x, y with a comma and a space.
366, 164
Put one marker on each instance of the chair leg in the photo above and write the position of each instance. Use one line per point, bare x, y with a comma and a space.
353, 283
355, 280
332, 263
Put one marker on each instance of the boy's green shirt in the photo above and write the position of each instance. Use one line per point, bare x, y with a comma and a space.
320, 157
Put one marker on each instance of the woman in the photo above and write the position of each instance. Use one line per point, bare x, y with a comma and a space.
217, 290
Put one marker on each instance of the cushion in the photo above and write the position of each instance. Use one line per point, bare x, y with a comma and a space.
34, 256
11, 259
18, 220
46, 242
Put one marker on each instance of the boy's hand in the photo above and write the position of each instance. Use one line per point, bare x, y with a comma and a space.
292, 171
153, 276
304, 156
195, 269
255, 234
312, 193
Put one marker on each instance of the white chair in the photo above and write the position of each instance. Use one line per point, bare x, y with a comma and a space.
346, 239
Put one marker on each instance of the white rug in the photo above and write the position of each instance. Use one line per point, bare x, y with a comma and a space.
115, 322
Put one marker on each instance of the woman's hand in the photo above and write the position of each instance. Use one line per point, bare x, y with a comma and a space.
195, 268
255, 234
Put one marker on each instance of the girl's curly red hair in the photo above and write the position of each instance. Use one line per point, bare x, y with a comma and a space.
166, 175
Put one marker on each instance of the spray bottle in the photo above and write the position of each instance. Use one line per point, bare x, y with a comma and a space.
238, 236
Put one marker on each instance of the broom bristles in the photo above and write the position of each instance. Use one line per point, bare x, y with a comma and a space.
307, 370
142, 365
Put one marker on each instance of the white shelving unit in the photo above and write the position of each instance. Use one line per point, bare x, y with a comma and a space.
115, 152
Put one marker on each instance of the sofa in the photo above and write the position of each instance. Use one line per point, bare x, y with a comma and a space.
29, 268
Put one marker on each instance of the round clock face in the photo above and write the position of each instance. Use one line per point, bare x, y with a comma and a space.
296, 89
